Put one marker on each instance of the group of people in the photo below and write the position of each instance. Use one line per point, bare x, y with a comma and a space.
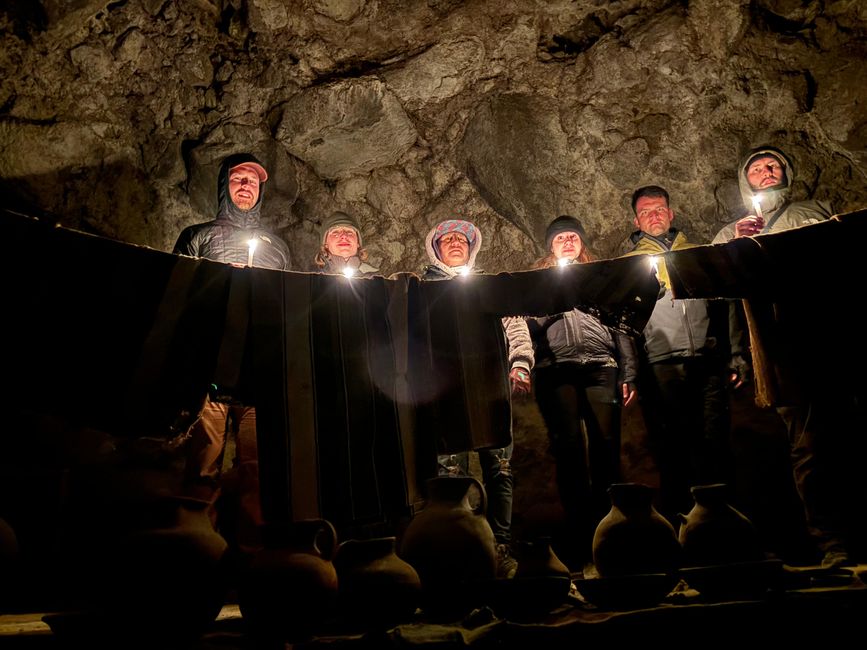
581, 371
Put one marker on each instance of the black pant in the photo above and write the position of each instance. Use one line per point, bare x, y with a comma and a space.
686, 409
581, 408
826, 433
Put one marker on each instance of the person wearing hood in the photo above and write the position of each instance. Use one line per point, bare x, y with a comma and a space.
341, 249
584, 373
684, 370
765, 180
803, 393
452, 247
235, 236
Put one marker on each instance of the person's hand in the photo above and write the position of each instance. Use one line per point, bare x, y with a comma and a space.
748, 226
740, 372
629, 393
520, 380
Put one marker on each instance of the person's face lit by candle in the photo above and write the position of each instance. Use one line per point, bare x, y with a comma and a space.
454, 249
567, 245
342, 241
244, 186
652, 215
765, 172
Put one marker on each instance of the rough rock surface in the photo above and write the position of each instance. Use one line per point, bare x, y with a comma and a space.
114, 115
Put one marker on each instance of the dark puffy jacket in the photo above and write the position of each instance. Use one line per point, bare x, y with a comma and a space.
577, 337
225, 239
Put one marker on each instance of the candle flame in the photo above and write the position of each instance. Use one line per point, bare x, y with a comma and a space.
348, 271
563, 261
252, 243
654, 263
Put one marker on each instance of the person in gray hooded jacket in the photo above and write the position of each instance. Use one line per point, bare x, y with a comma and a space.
813, 413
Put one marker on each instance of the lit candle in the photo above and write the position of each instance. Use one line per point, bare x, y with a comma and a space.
348, 271
465, 271
563, 261
757, 206
251, 246
654, 263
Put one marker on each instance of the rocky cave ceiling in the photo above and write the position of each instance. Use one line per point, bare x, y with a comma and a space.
114, 115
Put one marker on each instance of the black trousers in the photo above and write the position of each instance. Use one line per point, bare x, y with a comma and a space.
581, 409
686, 410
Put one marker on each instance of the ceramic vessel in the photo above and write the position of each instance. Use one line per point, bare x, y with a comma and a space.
290, 588
376, 587
536, 559
633, 538
164, 575
9, 552
451, 545
714, 532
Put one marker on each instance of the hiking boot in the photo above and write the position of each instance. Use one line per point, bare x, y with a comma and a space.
506, 564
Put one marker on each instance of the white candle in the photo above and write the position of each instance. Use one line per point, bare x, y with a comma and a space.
757, 206
251, 246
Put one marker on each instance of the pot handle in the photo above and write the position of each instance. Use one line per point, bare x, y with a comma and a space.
325, 540
483, 496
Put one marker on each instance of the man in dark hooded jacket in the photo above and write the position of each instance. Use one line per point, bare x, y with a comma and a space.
235, 237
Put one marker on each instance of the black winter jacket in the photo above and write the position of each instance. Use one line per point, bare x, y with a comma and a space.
577, 337
225, 239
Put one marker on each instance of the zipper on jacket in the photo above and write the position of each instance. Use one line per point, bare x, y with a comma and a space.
688, 329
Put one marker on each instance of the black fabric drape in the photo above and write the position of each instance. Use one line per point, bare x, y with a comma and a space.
353, 379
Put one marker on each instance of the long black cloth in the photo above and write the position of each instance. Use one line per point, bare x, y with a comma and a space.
125, 338
801, 288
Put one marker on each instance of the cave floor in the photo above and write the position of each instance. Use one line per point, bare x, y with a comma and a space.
831, 602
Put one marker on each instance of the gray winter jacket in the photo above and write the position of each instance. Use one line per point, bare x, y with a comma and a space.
779, 212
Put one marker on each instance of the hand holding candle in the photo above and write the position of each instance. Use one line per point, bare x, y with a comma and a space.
751, 224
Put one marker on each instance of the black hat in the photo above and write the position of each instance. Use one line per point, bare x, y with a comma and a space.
563, 223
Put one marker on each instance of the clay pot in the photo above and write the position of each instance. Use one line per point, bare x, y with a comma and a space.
376, 587
633, 538
164, 575
290, 588
536, 559
9, 553
716, 533
451, 545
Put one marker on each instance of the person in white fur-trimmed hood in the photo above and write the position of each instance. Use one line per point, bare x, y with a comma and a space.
452, 247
